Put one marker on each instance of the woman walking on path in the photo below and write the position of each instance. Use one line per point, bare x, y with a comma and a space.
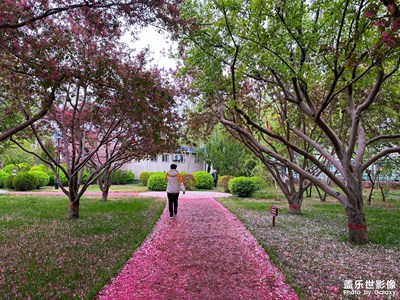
174, 185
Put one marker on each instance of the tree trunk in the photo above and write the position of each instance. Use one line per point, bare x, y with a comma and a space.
357, 226
372, 180
382, 191
73, 212
295, 201
104, 183
104, 195
309, 191
322, 195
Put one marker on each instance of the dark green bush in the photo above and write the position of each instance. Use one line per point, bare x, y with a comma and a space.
3, 177
45, 169
203, 180
42, 178
188, 181
259, 182
85, 176
25, 182
63, 178
144, 177
242, 186
130, 176
157, 182
223, 181
9, 182
117, 177
122, 177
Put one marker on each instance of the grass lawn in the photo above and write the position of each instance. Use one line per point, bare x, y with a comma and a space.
45, 256
312, 249
95, 188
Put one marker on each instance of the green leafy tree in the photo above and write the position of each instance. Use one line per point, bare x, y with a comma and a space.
321, 69
227, 155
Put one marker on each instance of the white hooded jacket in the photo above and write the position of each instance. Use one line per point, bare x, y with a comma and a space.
174, 181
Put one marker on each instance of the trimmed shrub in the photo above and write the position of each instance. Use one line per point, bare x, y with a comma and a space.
85, 176
9, 182
23, 167
223, 181
122, 177
46, 170
9, 168
130, 176
144, 177
188, 181
3, 177
203, 180
41, 168
117, 177
25, 182
259, 183
157, 182
63, 178
242, 186
42, 178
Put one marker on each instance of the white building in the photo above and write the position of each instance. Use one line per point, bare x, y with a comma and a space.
185, 158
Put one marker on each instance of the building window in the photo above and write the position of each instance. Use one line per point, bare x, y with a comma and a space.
153, 159
178, 158
165, 158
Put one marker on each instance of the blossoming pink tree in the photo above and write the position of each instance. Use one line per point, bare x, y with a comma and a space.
106, 123
107, 107
34, 41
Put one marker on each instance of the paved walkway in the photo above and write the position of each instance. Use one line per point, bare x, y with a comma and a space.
204, 253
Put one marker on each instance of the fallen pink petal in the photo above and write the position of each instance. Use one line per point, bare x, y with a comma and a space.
204, 253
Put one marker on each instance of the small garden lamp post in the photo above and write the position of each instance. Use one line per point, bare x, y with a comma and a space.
14, 172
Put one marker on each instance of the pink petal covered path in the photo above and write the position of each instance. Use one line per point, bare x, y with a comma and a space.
204, 253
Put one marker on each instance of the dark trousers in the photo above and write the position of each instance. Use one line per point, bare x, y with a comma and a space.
173, 203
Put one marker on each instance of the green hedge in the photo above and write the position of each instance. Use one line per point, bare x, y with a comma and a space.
22, 167
144, 177
41, 168
242, 186
25, 182
63, 178
259, 182
42, 178
203, 180
9, 168
3, 177
9, 182
52, 177
157, 182
122, 177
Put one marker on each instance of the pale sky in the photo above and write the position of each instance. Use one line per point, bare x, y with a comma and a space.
159, 46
